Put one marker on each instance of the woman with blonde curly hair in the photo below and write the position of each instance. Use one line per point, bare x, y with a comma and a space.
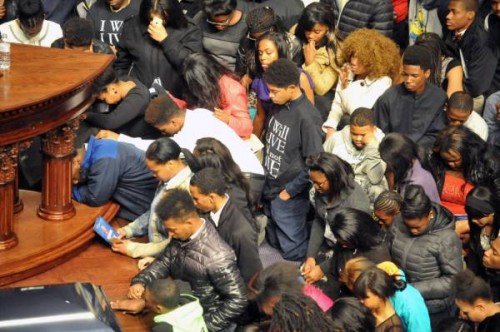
371, 65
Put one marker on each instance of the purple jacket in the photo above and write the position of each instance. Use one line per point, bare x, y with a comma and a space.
419, 175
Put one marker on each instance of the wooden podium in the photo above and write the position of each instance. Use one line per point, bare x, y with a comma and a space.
45, 93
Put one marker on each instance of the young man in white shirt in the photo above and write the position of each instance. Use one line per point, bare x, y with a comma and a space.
186, 127
460, 112
210, 195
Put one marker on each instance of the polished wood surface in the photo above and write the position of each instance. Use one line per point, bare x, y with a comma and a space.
45, 88
99, 265
45, 92
43, 245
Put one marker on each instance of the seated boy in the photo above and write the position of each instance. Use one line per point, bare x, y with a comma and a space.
358, 145
106, 169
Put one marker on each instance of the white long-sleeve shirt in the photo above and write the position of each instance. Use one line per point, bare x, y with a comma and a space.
11, 32
359, 93
200, 123
477, 124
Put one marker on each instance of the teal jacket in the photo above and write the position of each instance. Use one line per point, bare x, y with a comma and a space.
410, 307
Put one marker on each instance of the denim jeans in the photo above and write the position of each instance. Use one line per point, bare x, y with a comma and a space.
287, 229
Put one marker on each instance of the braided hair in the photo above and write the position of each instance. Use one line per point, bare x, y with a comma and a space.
389, 202
263, 19
298, 312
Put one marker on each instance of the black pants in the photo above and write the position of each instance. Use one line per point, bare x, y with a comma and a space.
256, 187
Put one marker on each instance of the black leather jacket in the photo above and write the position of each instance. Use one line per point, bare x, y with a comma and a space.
209, 265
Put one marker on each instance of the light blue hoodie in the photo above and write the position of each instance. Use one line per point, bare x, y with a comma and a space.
410, 307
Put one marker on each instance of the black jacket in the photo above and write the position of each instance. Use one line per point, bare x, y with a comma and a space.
190, 7
126, 117
492, 22
480, 57
108, 24
431, 259
420, 117
209, 265
10, 11
377, 254
241, 235
146, 59
373, 14
325, 212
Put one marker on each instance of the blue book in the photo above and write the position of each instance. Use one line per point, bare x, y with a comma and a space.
104, 230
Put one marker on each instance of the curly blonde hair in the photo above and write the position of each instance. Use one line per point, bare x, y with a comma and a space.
378, 53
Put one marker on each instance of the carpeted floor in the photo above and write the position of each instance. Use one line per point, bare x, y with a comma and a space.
269, 255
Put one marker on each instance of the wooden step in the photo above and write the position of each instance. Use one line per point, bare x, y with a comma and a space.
45, 244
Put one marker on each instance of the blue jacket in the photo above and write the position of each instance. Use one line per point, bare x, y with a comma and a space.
116, 171
410, 307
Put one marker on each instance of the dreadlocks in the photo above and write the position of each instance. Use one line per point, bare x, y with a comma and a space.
298, 313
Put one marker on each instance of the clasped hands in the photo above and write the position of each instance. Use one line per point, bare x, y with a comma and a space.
311, 271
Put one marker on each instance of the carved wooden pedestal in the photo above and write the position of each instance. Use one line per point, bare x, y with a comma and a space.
57, 148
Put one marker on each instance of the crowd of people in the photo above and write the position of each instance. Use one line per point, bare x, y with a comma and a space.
358, 138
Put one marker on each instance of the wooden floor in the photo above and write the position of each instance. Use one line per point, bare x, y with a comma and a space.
99, 265
44, 244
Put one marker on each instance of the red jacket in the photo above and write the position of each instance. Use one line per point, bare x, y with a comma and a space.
234, 103
401, 10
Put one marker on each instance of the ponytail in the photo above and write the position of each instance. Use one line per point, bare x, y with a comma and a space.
190, 160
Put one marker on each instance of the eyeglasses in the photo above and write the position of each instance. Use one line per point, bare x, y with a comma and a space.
224, 23
375, 218
319, 184
257, 35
